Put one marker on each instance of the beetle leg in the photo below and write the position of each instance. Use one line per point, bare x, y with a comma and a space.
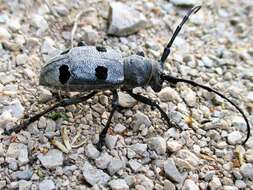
153, 104
62, 103
115, 105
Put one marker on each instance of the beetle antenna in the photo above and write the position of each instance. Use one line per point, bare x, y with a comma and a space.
166, 50
175, 80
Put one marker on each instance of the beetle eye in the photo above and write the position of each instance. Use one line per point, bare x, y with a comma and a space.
64, 74
101, 72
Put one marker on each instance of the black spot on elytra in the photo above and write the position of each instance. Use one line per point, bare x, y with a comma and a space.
101, 49
101, 72
64, 74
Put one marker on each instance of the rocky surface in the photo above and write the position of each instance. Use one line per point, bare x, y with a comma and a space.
214, 48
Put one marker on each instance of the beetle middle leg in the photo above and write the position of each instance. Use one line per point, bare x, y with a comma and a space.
62, 103
115, 105
152, 103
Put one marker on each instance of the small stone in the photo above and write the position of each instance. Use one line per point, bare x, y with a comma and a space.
24, 185
2, 184
145, 182
209, 175
168, 94
103, 160
26, 174
207, 62
28, 72
157, 144
91, 151
5, 79
171, 171
134, 165
94, 176
240, 184
215, 184
139, 148
124, 20
173, 146
189, 97
90, 36
46, 184
51, 159
110, 141
119, 128
115, 165
168, 185
118, 184
234, 137
48, 49
227, 187
44, 94
15, 108
61, 9
125, 100
14, 25
190, 185
18, 151
189, 157
247, 170
4, 34
140, 118
248, 155
21, 59
39, 22
98, 108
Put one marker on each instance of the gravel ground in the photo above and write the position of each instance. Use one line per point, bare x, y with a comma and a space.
214, 48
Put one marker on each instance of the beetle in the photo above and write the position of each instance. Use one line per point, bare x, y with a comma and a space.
95, 68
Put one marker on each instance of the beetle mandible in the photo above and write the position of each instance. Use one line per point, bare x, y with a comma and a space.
90, 68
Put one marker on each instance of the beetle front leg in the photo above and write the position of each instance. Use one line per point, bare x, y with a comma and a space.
153, 104
115, 105
62, 103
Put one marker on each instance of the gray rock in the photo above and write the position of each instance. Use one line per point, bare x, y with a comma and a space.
139, 148
6, 78
16, 109
168, 94
168, 185
171, 171
111, 140
90, 36
46, 184
215, 184
93, 175
39, 22
91, 151
61, 9
134, 165
48, 49
18, 151
145, 182
190, 185
14, 25
44, 94
240, 184
124, 20
140, 118
173, 146
126, 100
234, 137
2, 184
26, 174
115, 165
189, 157
157, 144
227, 187
119, 128
51, 159
4, 34
247, 170
118, 184
103, 160
249, 143
185, 2
24, 185
21, 59
189, 96
209, 175
207, 62
249, 155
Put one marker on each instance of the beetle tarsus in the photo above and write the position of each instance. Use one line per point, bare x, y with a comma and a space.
62, 103
103, 133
